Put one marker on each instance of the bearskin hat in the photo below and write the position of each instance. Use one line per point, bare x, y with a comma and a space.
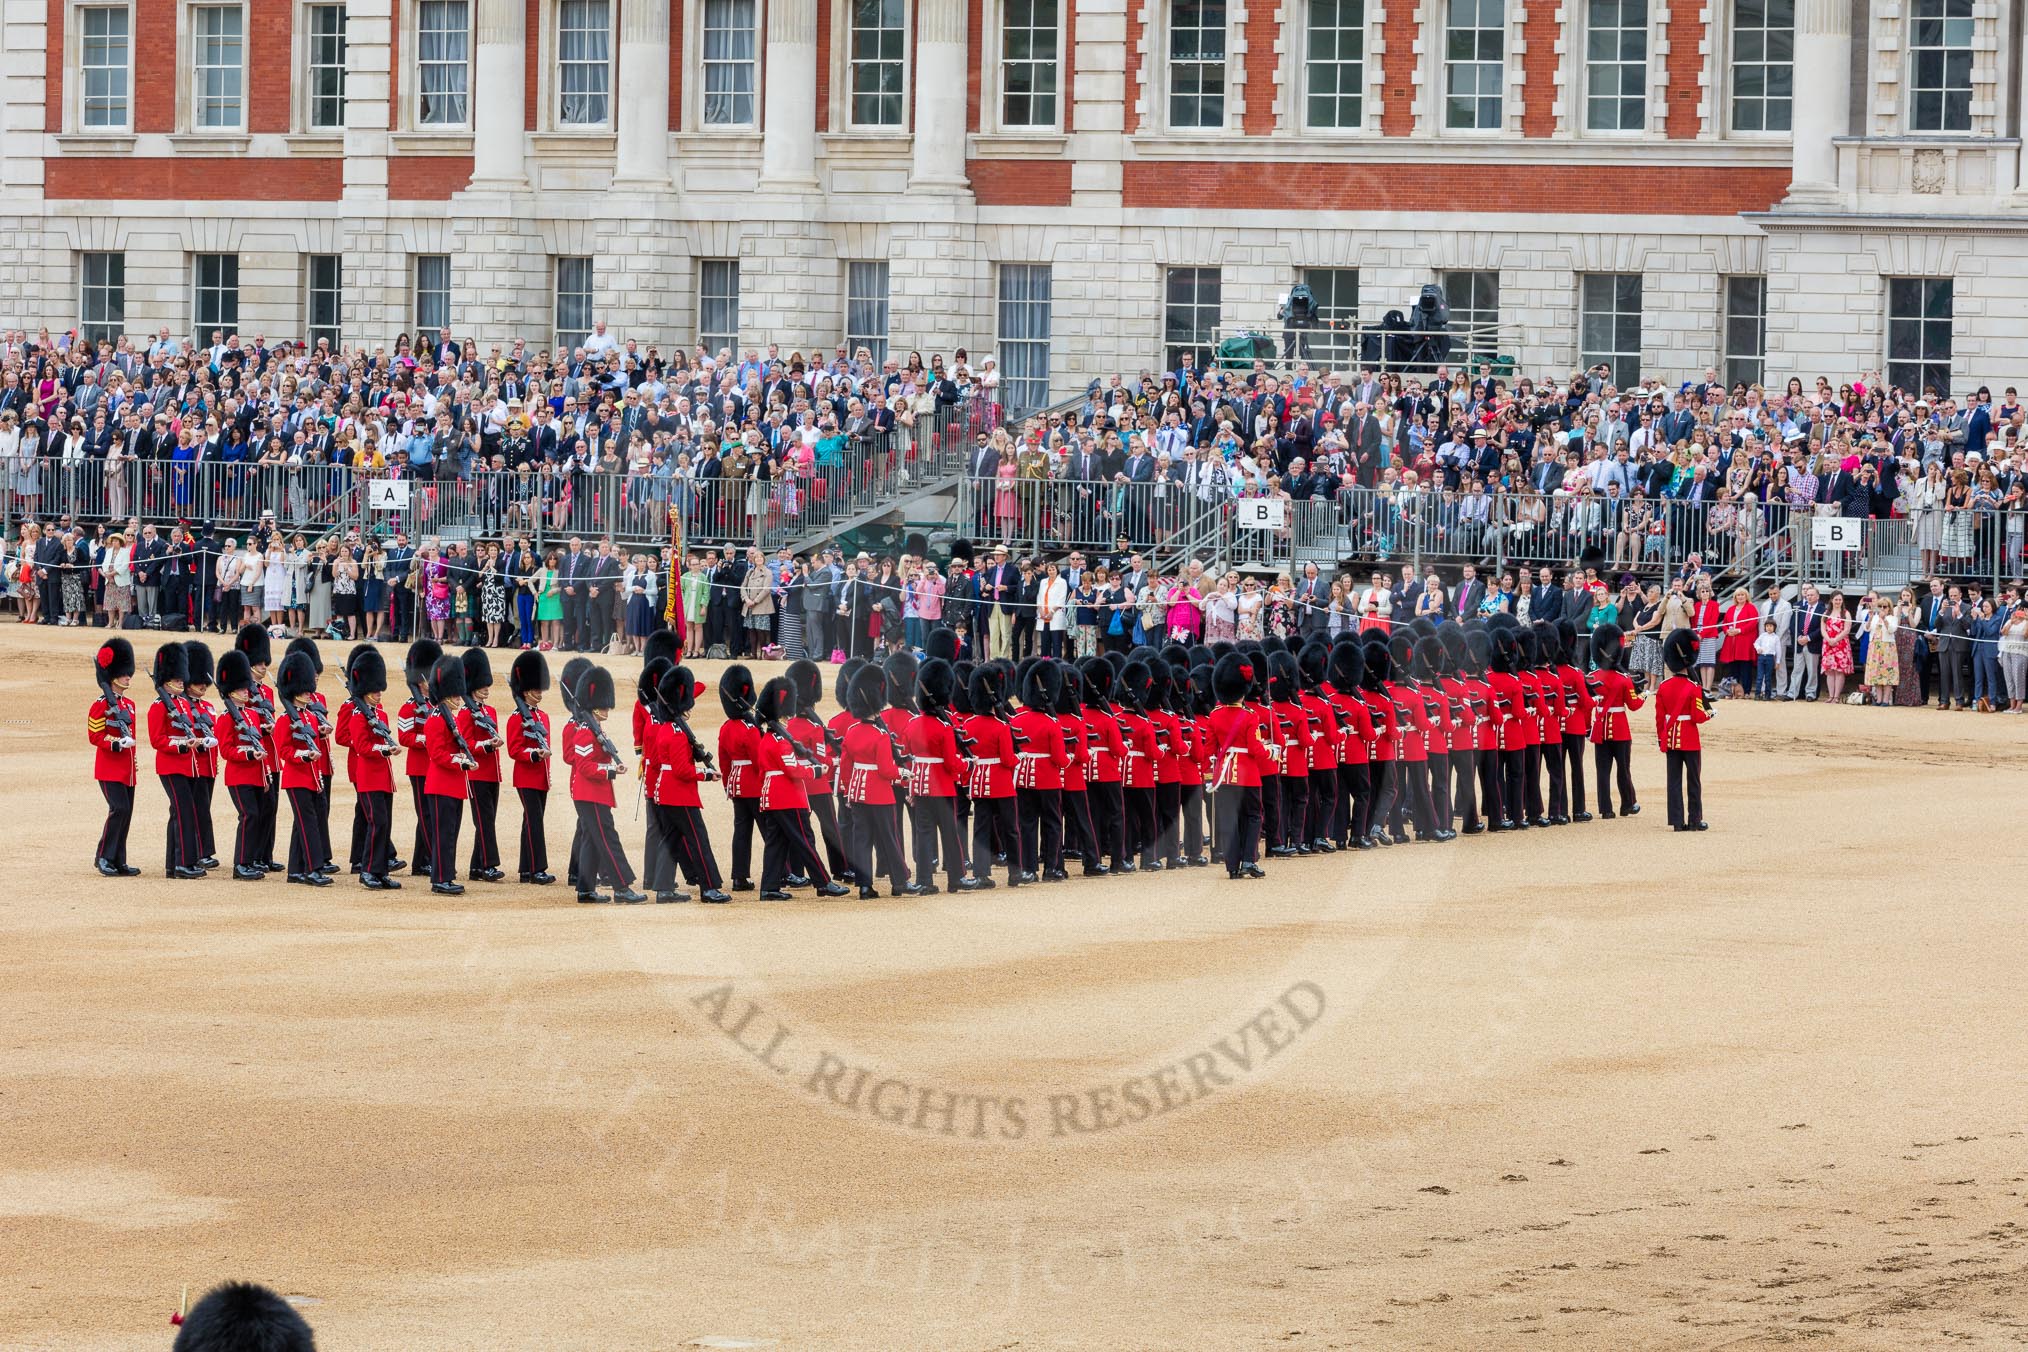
1502, 651
1133, 686
1070, 694
1313, 661
1548, 643
736, 693
1218, 652
1201, 701
1679, 651
900, 671
1479, 644
1527, 648
842, 683
651, 678
1158, 684
961, 549
868, 695
661, 644
1456, 651
1606, 643
1273, 644
808, 679
984, 689
596, 690
171, 663
678, 690
1566, 640
115, 659
252, 639
1176, 655
447, 679
1284, 677
1348, 665
1346, 638
1200, 656
942, 643
934, 680
1379, 663
1117, 661
961, 688
574, 672
1427, 660
1232, 678
298, 676
234, 673
422, 655
1098, 682
308, 646
366, 674
777, 700
478, 671
529, 672
242, 1317
1042, 686
196, 662
1401, 651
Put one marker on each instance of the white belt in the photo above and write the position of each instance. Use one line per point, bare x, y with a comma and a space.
1033, 755
982, 760
1682, 718
737, 764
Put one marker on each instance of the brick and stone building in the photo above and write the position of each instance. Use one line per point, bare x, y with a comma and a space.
1771, 187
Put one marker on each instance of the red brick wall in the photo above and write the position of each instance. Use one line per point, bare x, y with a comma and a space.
1219, 185
427, 178
1538, 70
1020, 183
1133, 117
155, 78
1261, 31
975, 24
1686, 63
676, 62
823, 65
269, 64
189, 178
1068, 89
52, 70
530, 65
1397, 67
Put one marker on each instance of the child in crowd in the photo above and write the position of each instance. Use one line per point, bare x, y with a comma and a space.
1767, 647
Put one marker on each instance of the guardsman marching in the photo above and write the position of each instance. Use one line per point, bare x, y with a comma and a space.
936, 767
1679, 709
1039, 763
991, 778
1137, 734
739, 762
868, 772
805, 727
302, 734
204, 759
370, 749
676, 764
243, 748
411, 722
1106, 753
785, 769
326, 768
450, 762
1612, 733
1320, 819
479, 724
109, 727
1355, 744
252, 640
528, 746
174, 739
1239, 757
1079, 831
594, 764
1577, 705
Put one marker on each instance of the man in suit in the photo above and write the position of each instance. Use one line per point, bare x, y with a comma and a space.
1928, 677
998, 587
1313, 601
820, 598
1085, 473
571, 576
1809, 622
601, 596
1952, 643
1470, 591
1366, 444
1545, 598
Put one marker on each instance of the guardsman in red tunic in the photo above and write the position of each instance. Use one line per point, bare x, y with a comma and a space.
252, 640
1287, 815
204, 764
326, 767
1192, 706
739, 762
1382, 766
1134, 691
807, 728
173, 737
370, 749
992, 778
1239, 757
1577, 702
479, 725
1612, 732
529, 750
1168, 695
1551, 716
842, 867
594, 764
1320, 828
410, 723
678, 766
301, 734
1527, 672
1426, 660
1412, 804
1039, 762
1080, 831
657, 863
450, 761
110, 728
1356, 741
868, 772
1466, 711
786, 769
244, 751
1679, 708
1106, 753
936, 766
1514, 727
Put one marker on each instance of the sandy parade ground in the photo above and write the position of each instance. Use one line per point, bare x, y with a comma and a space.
1602, 1086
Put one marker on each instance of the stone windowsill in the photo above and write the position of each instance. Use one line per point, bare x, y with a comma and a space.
1018, 145
573, 144
429, 143
97, 143
1446, 149
732, 141
210, 143
327, 144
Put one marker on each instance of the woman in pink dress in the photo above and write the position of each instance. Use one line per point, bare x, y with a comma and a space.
1837, 647
1007, 500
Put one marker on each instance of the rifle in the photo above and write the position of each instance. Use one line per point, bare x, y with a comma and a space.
119, 720
304, 731
249, 735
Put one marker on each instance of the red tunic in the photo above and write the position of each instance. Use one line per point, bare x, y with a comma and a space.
591, 772
244, 767
1549, 707
1609, 721
1169, 746
1679, 708
1323, 731
1293, 724
785, 775
1437, 713
1412, 722
1577, 701
1108, 751
114, 765
1239, 747
325, 765
369, 769
1511, 722
169, 760
641, 722
1380, 710
1074, 735
408, 730
1139, 736
445, 777
866, 764
1355, 743
531, 768
992, 772
1479, 699
810, 732
935, 767
673, 772
738, 759
1041, 759
488, 769
203, 760
298, 773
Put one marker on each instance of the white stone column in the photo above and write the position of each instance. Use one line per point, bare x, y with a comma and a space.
499, 112
1823, 101
938, 64
641, 102
789, 97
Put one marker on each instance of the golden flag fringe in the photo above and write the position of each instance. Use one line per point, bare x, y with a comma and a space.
672, 601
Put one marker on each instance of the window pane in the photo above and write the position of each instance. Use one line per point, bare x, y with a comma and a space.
442, 54
866, 309
324, 297
1333, 343
1337, 64
1028, 65
1024, 336
104, 62
102, 298
432, 296
1197, 64
1475, 64
1745, 330
718, 305
1474, 299
218, 34
879, 46
1616, 65
1609, 324
1919, 315
1763, 64
729, 46
584, 62
214, 299
1190, 319
1940, 66
573, 302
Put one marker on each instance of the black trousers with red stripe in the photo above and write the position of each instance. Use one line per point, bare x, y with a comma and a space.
1271, 810
1236, 810
1140, 825
180, 846
1079, 831
376, 815
745, 814
420, 861
937, 840
447, 817
601, 857
1573, 776
247, 800
271, 812
1109, 819
308, 849
873, 844
1464, 795
203, 787
1317, 824
1040, 816
485, 812
825, 809
683, 828
119, 817
787, 847
1608, 758
1355, 800
534, 840
1169, 820
991, 818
